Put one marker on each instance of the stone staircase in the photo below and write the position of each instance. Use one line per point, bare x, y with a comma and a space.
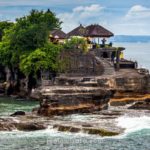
108, 66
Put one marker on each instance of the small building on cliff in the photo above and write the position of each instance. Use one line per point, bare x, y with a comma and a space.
96, 37
74, 62
57, 36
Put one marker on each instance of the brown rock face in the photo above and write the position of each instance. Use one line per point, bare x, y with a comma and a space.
77, 99
122, 99
88, 130
85, 94
74, 95
18, 113
141, 105
6, 125
66, 110
30, 126
9, 125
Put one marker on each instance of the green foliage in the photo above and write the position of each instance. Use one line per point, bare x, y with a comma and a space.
47, 18
4, 25
5, 54
33, 62
52, 52
40, 59
29, 39
31, 32
76, 43
25, 43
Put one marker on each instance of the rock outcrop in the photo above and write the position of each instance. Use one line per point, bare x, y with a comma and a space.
74, 95
18, 113
7, 124
88, 94
144, 105
32, 126
22, 124
88, 130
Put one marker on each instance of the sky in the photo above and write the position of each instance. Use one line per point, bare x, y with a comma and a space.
122, 17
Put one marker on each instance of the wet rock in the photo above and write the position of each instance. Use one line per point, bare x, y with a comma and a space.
7, 127
86, 125
141, 105
101, 132
22, 123
74, 130
65, 128
18, 113
79, 96
96, 131
35, 110
78, 103
109, 117
30, 126
35, 94
7, 124
68, 129
121, 103
111, 113
66, 110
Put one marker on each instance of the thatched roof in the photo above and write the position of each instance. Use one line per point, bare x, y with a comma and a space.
79, 31
97, 31
90, 31
58, 33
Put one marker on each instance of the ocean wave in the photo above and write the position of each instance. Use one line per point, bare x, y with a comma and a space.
133, 124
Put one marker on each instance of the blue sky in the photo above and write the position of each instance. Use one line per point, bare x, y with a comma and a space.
125, 17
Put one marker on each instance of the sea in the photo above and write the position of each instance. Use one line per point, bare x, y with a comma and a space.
138, 51
135, 137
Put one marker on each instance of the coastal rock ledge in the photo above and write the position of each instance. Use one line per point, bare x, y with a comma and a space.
9, 124
64, 100
68, 95
88, 130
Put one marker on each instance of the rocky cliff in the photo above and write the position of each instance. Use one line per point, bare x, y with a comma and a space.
73, 95
87, 94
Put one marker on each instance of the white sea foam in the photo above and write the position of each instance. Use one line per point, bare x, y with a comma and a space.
132, 124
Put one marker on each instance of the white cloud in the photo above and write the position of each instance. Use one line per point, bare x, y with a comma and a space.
80, 14
88, 11
135, 22
94, 7
138, 12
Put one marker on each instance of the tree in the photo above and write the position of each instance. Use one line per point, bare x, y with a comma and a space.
25, 47
28, 34
32, 31
5, 54
40, 59
4, 25
33, 62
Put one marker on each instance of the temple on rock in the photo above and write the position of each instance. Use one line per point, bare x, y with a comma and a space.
101, 56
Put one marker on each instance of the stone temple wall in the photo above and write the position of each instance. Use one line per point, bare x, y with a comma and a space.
80, 64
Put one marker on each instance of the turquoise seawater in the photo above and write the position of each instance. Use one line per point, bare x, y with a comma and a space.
52, 140
10, 105
136, 136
